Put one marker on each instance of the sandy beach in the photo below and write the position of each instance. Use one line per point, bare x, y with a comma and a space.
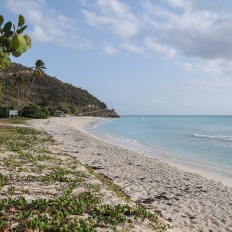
190, 201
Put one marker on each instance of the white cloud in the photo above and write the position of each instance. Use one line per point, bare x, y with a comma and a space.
114, 6
216, 67
188, 67
180, 3
133, 48
25, 6
48, 25
109, 49
204, 34
40, 34
115, 17
197, 31
171, 28
158, 48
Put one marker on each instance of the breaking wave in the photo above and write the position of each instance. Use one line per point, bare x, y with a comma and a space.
125, 140
217, 137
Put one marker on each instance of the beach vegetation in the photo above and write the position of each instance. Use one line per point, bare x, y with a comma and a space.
3, 180
47, 92
4, 111
65, 198
64, 107
12, 40
109, 183
18, 81
35, 111
17, 120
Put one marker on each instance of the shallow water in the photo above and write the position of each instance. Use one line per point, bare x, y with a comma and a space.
199, 142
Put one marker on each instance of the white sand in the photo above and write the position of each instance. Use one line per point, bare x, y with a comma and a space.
192, 202
25, 167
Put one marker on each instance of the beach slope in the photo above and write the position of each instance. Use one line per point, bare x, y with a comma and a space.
187, 200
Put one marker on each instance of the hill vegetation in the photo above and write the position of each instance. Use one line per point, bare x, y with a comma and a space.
47, 92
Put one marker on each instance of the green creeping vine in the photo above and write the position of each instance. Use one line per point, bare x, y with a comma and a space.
76, 204
64, 214
3, 180
109, 183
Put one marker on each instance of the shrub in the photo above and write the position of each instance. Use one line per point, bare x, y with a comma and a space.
74, 109
35, 111
52, 111
65, 109
3, 111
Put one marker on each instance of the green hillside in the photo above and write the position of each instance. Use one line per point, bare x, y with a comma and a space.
47, 91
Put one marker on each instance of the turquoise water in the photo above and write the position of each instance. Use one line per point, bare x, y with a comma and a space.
200, 142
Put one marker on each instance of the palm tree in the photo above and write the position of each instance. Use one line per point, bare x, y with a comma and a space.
38, 71
39, 67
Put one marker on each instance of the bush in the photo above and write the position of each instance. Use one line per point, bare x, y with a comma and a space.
74, 109
3, 111
52, 111
65, 109
35, 111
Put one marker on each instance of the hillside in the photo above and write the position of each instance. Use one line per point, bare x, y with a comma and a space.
47, 91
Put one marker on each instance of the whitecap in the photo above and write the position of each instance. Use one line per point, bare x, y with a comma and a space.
220, 137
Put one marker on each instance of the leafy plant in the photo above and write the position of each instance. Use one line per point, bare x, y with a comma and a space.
11, 190
12, 42
75, 202
4, 111
104, 179
3, 180
35, 111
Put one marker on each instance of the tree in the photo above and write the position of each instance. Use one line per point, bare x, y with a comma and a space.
12, 42
39, 68
36, 111
38, 71
20, 81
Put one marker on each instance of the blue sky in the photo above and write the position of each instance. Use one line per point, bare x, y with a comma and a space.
140, 56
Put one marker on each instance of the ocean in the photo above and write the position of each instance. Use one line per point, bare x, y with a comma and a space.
199, 143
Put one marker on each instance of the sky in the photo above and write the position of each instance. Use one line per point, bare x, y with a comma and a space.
156, 57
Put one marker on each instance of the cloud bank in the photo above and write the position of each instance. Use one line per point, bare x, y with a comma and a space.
194, 34
48, 26
174, 29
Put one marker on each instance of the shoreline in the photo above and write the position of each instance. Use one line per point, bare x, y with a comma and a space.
54, 191
186, 199
87, 122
